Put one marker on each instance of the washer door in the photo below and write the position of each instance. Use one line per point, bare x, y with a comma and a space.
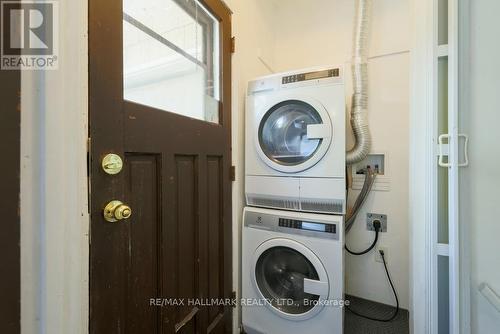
293, 135
290, 278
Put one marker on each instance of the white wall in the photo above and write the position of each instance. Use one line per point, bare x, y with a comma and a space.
291, 34
480, 181
254, 37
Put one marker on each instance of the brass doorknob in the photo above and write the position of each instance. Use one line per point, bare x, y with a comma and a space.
116, 210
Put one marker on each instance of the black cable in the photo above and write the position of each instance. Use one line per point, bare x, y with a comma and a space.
376, 226
374, 243
393, 291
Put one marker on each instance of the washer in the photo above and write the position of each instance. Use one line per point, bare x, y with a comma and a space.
292, 272
295, 141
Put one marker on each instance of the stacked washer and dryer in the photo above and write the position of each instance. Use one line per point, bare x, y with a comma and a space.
293, 233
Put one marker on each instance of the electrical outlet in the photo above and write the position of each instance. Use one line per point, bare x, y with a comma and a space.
371, 217
378, 257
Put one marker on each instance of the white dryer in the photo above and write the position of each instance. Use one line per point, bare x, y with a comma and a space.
295, 141
292, 272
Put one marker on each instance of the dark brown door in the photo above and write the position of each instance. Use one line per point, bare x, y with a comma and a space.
160, 99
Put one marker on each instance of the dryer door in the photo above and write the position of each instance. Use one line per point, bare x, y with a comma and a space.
290, 278
294, 134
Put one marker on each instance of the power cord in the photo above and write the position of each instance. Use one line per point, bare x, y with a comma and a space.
377, 226
369, 179
393, 291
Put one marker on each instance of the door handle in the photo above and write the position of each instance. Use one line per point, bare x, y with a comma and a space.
315, 287
442, 154
116, 210
444, 150
466, 150
317, 131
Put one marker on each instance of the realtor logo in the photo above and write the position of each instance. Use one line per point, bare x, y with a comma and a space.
29, 35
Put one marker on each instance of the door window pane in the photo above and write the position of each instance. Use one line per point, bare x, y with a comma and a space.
283, 132
442, 22
280, 273
442, 181
443, 297
171, 57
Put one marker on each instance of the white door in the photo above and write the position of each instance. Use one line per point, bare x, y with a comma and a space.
479, 117
451, 152
466, 261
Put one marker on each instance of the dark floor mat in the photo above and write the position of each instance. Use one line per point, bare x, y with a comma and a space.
354, 324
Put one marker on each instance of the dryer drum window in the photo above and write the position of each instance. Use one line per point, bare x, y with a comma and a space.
280, 274
283, 132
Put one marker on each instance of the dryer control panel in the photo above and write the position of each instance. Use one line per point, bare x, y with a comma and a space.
278, 223
299, 78
316, 75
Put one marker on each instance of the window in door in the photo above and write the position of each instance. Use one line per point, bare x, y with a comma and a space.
171, 57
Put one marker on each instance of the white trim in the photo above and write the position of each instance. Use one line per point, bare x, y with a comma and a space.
464, 105
442, 250
442, 50
422, 163
435, 136
453, 192
54, 204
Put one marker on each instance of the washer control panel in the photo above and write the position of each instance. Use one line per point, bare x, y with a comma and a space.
306, 227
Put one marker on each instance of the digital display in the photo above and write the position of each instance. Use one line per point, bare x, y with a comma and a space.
307, 226
313, 227
317, 75
335, 72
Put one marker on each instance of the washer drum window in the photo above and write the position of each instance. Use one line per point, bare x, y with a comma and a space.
280, 274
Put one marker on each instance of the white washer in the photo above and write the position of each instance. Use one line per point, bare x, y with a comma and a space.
292, 272
295, 141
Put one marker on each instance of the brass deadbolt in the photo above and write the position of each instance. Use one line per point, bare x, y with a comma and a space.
112, 164
116, 210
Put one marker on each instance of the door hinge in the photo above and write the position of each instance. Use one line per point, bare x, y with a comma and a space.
89, 167
232, 173
88, 156
233, 44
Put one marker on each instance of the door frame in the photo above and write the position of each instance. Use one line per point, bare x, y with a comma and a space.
423, 308
54, 192
10, 129
55, 224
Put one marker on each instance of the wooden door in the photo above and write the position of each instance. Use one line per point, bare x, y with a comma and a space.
160, 99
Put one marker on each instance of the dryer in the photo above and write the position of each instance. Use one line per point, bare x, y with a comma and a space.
295, 141
292, 272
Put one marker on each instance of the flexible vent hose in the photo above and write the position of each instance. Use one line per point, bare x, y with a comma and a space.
359, 119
